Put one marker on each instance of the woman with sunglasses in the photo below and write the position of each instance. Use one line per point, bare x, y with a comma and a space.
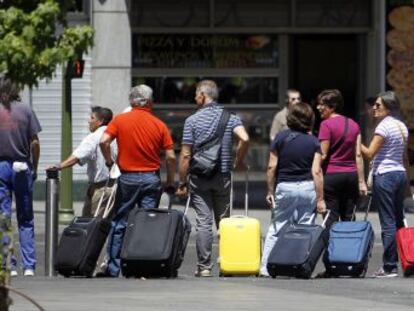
387, 149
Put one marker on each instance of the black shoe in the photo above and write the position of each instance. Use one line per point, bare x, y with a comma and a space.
104, 274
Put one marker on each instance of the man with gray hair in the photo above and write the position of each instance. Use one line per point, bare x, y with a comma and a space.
210, 195
140, 137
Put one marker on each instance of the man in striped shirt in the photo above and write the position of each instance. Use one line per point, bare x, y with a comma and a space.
209, 196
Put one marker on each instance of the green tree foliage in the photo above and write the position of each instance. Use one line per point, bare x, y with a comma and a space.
5, 233
30, 45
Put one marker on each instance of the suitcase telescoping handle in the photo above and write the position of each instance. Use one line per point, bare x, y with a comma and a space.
368, 206
366, 211
325, 218
187, 204
246, 192
111, 198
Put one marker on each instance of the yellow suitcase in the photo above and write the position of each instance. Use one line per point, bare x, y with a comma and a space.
239, 245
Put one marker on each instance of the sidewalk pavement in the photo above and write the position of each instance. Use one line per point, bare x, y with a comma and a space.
187, 293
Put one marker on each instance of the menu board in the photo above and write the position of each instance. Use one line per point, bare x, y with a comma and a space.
204, 51
400, 54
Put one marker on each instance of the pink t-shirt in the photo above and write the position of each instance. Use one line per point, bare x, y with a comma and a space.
342, 158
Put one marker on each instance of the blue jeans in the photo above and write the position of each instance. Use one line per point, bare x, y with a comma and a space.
141, 189
388, 196
295, 203
21, 184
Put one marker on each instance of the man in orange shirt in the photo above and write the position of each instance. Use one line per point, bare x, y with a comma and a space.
140, 137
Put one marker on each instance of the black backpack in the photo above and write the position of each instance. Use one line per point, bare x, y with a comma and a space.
205, 161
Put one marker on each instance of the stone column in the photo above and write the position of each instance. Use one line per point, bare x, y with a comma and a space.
111, 54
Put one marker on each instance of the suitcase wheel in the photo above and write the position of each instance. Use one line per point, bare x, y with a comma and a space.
172, 274
225, 275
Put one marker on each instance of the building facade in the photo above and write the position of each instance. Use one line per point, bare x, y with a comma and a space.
254, 50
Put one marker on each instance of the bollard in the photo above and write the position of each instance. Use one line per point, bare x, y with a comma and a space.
51, 232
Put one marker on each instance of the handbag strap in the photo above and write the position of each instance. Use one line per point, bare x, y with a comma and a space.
401, 132
219, 132
341, 139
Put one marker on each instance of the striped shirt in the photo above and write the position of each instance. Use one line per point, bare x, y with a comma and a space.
390, 156
201, 126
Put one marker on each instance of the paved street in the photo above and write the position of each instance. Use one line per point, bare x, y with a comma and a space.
236, 293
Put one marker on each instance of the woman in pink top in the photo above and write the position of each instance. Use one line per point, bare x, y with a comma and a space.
341, 154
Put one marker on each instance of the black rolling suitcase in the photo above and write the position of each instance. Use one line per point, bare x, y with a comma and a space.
82, 241
297, 250
155, 242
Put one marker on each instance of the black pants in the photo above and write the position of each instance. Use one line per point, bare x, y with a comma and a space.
341, 194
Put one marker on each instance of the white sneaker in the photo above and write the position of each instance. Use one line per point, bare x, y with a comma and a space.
381, 273
14, 273
29, 272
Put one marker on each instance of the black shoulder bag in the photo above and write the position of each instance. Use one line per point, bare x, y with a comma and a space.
205, 161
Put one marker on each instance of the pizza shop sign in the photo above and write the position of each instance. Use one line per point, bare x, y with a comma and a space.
203, 51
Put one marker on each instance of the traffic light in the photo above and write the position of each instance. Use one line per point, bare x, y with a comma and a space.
75, 69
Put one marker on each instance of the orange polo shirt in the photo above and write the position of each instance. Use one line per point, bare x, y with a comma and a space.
140, 137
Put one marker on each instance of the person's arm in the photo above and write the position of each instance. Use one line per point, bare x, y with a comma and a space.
105, 145
183, 166
317, 176
325, 144
375, 145
68, 162
242, 147
35, 150
276, 127
170, 163
363, 190
271, 177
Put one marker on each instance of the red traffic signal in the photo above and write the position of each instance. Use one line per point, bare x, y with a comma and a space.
75, 69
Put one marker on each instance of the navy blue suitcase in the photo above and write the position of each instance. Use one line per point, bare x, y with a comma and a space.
349, 248
297, 250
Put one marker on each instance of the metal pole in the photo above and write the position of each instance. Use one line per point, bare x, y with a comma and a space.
51, 232
66, 206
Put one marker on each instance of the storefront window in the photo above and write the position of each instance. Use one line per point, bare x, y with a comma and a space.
233, 90
333, 13
177, 13
244, 66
